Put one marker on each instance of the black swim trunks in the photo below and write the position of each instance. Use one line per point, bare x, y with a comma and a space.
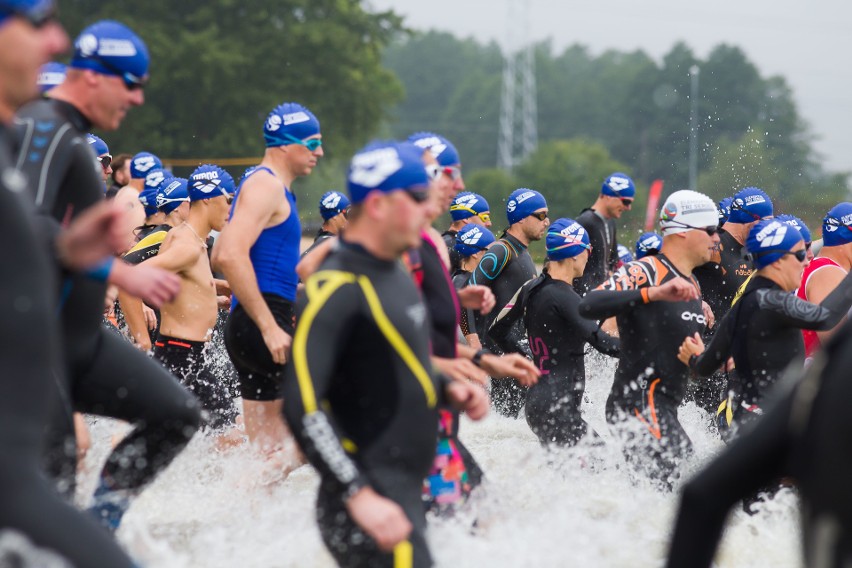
260, 376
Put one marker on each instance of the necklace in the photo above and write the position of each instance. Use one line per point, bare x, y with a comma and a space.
203, 242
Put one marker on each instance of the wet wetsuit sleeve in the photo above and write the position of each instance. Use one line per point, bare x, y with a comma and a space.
589, 331
622, 291
719, 348
491, 265
792, 311
501, 330
750, 462
325, 323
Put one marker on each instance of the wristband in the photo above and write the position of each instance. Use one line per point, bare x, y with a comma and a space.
101, 271
477, 357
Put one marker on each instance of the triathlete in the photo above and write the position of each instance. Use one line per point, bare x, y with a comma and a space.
722, 277
30, 352
648, 244
363, 335
657, 304
467, 207
724, 207
140, 319
616, 197
557, 335
804, 437
50, 75
505, 268
472, 241
761, 332
794, 221
333, 208
104, 79
826, 271
624, 255
188, 320
257, 252
102, 156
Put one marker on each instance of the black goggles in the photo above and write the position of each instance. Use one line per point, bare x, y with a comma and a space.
131, 81
105, 160
712, 230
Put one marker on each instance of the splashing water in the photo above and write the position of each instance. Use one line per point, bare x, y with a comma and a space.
575, 507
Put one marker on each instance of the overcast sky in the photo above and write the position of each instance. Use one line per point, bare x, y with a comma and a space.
807, 41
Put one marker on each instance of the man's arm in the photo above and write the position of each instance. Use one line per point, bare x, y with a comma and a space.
258, 201
792, 311
490, 266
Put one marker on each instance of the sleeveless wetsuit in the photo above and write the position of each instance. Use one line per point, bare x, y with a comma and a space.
361, 398
557, 336
274, 257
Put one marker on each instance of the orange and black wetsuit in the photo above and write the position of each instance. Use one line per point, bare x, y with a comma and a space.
361, 398
650, 381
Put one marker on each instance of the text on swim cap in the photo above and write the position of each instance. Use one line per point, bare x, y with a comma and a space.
472, 236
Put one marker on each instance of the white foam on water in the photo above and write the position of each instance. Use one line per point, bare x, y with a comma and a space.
576, 507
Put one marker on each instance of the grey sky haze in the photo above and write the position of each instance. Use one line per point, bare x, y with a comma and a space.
808, 42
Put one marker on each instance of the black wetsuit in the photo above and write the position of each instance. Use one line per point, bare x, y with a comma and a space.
187, 360
467, 319
720, 280
505, 267
604, 256
322, 236
361, 398
806, 436
106, 375
449, 237
31, 356
650, 381
148, 241
762, 332
557, 336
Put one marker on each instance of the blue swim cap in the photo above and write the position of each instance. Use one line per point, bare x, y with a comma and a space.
387, 166
618, 185
566, 238
289, 123
837, 225
97, 145
472, 239
522, 203
111, 48
143, 163
624, 254
36, 11
467, 204
724, 208
794, 221
155, 177
750, 205
769, 239
332, 204
171, 193
50, 75
210, 181
441, 148
148, 199
648, 244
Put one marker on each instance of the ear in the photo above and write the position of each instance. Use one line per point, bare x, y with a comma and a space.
91, 78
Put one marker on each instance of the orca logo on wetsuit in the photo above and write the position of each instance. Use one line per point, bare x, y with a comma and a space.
692, 316
417, 313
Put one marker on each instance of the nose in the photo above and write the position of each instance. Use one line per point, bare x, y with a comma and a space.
319, 152
55, 39
459, 184
137, 97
